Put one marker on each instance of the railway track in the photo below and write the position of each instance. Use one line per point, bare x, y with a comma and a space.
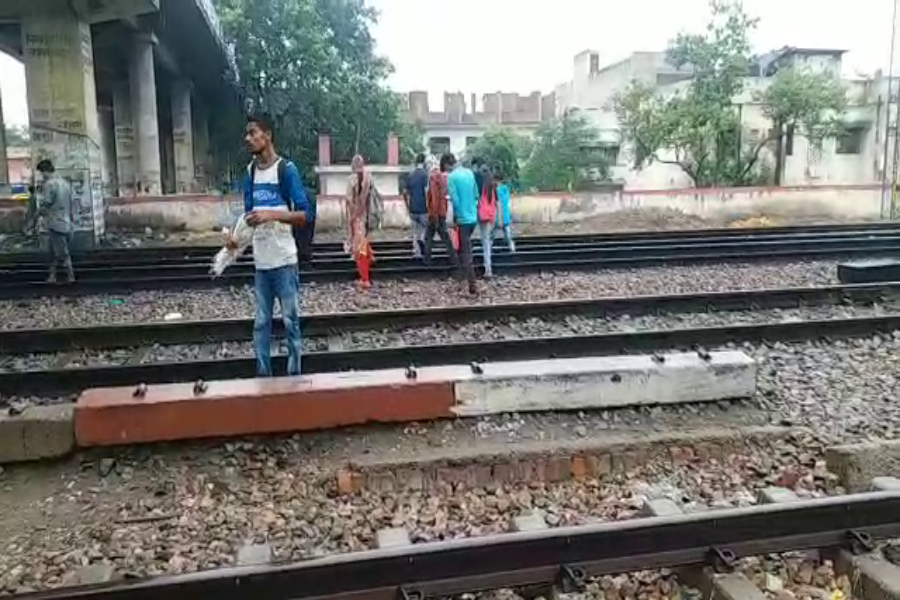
162, 254
95, 276
68, 360
560, 559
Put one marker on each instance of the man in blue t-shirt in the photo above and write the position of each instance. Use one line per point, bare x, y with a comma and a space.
415, 194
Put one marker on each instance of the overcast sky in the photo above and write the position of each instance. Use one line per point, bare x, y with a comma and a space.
510, 45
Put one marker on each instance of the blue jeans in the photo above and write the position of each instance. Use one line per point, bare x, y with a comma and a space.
282, 283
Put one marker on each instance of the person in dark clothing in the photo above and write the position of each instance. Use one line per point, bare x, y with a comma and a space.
416, 203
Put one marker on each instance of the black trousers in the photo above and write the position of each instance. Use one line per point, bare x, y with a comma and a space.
439, 226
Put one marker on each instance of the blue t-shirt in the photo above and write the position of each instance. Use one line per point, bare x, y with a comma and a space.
416, 186
464, 196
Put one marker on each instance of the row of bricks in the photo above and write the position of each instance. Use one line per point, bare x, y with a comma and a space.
172, 412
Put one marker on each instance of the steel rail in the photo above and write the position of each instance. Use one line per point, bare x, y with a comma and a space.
501, 260
63, 381
201, 255
559, 556
116, 284
27, 341
160, 252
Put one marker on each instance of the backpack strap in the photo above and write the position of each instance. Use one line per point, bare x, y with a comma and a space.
283, 187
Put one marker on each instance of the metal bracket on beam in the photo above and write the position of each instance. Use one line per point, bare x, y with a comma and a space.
859, 542
571, 579
722, 560
405, 593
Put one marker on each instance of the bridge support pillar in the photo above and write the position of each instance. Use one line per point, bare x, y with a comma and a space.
124, 128
4, 165
62, 106
202, 170
142, 79
183, 137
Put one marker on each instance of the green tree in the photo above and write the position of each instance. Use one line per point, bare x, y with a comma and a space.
804, 102
501, 148
564, 156
311, 65
17, 136
697, 128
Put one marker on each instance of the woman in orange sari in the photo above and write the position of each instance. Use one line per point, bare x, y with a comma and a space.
359, 188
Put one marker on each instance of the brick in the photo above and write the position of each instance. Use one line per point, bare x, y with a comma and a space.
254, 554
660, 507
532, 520
599, 466
605, 382
873, 577
384, 481
96, 574
348, 482
858, 464
393, 537
411, 479
40, 432
558, 468
172, 412
777, 495
886, 484
579, 467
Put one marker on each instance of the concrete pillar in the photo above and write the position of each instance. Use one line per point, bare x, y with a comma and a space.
324, 150
202, 171
108, 150
124, 127
62, 106
183, 137
393, 150
142, 78
4, 164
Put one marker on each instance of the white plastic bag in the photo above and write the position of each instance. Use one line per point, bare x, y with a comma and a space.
242, 235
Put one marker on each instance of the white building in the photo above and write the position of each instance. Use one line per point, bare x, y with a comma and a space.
856, 158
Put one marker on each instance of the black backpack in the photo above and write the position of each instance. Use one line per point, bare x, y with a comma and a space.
303, 235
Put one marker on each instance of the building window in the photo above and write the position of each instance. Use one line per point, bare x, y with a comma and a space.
851, 141
471, 141
610, 154
438, 145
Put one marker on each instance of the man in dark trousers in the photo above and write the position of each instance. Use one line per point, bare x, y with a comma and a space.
414, 194
55, 206
437, 212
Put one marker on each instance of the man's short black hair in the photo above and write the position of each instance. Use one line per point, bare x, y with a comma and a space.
46, 166
447, 161
261, 120
420, 158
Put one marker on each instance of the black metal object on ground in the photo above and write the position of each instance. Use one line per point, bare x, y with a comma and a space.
869, 271
28, 341
57, 381
444, 569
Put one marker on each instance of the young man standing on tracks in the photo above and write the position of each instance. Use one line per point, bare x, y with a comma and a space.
55, 206
276, 205
463, 193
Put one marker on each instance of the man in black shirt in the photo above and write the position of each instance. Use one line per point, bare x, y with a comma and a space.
415, 194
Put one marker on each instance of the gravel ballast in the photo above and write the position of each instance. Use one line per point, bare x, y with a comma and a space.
237, 302
165, 513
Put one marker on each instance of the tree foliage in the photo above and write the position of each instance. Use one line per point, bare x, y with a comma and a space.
502, 149
17, 136
311, 65
698, 127
564, 156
